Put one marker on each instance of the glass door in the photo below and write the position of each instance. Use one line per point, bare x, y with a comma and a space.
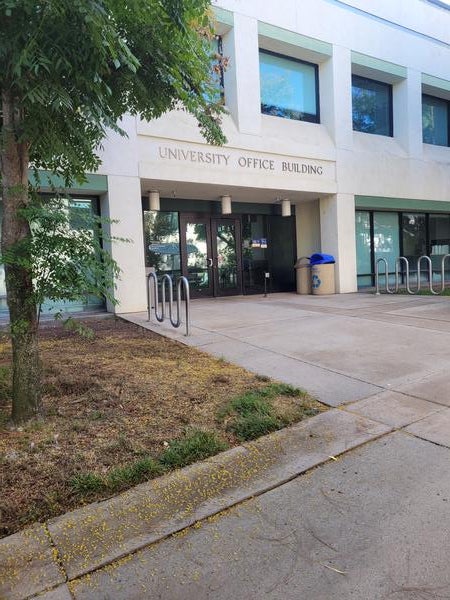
227, 257
196, 254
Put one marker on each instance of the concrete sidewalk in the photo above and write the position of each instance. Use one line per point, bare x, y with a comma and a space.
71, 547
340, 348
352, 503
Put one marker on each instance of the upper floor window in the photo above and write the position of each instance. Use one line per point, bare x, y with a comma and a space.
435, 120
289, 87
216, 92
372, 106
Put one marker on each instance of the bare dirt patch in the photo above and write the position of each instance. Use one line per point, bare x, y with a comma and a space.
110, 402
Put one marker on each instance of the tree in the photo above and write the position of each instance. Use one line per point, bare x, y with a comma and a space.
70, 69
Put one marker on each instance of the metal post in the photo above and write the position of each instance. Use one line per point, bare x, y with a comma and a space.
386, 276
397, 273
427, 259
444, 258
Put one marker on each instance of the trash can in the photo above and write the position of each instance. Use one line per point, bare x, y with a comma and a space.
303, 271
322, 274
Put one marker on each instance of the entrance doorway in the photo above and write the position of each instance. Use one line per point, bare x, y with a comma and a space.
211, 254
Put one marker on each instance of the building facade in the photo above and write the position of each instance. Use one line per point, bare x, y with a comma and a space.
338, 132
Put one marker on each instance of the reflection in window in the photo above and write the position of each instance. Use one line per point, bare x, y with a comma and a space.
217, 93
363, 248
162, 241
81, 212
414, 236
439, 232
255, 256
197, 255
386, 239
226, 255
435, 121
288, 87
372, 106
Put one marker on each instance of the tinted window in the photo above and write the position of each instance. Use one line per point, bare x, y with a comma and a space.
372, 106
216, 94
162, 241
435, 120
288, 88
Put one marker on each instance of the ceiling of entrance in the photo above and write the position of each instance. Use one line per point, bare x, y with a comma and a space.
195, 191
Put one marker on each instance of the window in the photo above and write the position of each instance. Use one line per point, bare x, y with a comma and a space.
162, 242
372, 106
216, 92
289, 87
435, 120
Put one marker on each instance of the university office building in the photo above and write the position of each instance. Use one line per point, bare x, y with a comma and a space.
338, 120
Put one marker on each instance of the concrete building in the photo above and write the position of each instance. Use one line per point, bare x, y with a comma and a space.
338, 117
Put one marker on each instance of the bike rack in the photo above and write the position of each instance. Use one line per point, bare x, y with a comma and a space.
398, 262
153, 302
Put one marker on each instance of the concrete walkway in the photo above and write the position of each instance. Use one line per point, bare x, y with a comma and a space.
340, 348
352, 503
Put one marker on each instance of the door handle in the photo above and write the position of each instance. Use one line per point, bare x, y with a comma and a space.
210, 262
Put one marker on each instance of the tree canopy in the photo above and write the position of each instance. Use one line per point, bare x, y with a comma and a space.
70, 69
74, 68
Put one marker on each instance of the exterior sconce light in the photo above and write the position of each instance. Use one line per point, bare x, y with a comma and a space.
153, 197
226, 204
286, 208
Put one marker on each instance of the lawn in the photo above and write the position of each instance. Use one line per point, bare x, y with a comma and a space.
122, 407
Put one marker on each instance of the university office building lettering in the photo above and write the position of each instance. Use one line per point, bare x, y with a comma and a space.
239, 162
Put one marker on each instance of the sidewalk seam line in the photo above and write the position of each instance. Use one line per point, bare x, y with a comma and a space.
242, 500
57, 559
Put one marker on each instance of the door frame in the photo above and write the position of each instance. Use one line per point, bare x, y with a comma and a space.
211, 221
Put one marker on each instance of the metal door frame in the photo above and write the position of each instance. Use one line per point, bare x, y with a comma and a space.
211, 221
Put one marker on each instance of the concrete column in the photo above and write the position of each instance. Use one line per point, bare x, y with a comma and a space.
407, 109
241, 78
335, 76
307, 217
123, 203
337, 228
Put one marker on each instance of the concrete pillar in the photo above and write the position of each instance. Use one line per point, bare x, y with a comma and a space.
407, 109
307, 217
123, 203
241, 78
336, 96
337, 228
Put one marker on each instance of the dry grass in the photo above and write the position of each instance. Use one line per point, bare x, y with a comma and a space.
109, 402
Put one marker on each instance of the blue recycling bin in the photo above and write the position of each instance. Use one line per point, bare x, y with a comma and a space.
322, 259
322, 274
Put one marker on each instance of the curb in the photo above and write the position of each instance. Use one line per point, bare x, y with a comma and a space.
89, 538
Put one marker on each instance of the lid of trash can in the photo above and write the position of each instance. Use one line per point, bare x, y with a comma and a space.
322, 259
303, 261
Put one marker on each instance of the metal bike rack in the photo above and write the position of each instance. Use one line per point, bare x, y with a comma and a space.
167, 305
406, 274
386, 276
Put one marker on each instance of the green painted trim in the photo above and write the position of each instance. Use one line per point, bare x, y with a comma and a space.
436, 82
94, 182
406, 204
295, 39
223, 16
378, 65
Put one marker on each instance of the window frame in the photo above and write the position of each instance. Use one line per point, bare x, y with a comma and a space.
389, 87
309, 118
424, 94
400, 214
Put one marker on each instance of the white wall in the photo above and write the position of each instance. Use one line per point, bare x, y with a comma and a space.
355, 163
122, 204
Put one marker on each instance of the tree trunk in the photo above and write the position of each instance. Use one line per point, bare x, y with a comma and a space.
26, 392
